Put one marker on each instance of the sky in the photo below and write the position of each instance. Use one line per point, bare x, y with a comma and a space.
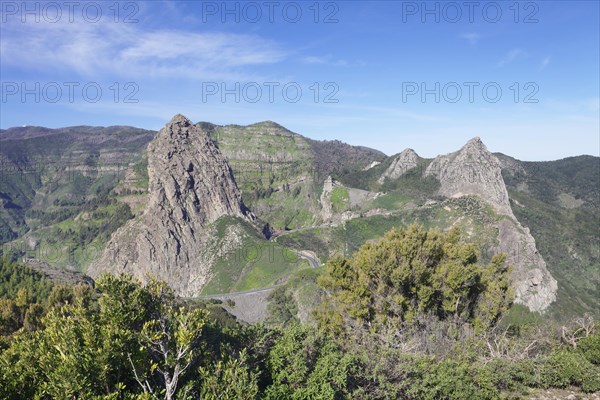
523, 76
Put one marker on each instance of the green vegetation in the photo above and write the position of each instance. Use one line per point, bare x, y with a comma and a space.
559, 202
471, 215
414, 316
48, 175
568, 239
256, 264
263, 156
391, 201
50, 178
341, 160
281, 174
15, 278
134, 342
282, 308
409, 189
285, 209
393, 305
409, 314
73, 241
412, 273
22, 290
339, 199
141, 172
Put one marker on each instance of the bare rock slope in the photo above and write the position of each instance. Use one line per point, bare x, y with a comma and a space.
190, 186
404, 161
473, 170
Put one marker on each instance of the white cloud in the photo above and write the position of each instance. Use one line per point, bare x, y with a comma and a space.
120, 49
471, 37
325, 60
511, 56
544, 63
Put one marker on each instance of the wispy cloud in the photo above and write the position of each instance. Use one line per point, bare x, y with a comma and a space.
511, 56
471, 37
388, 112
544, 63
119, 49
325, 60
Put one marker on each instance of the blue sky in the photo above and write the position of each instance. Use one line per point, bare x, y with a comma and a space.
371, 61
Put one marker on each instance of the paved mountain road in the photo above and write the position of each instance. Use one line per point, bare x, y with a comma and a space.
251, 305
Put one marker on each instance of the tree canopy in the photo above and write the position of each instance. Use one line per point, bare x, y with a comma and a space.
413, 272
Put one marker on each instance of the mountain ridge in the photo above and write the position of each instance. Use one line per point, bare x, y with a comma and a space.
282, 177
12, 129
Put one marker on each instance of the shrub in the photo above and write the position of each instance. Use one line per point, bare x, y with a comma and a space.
589, 348
509, 375
564, 368
449, 379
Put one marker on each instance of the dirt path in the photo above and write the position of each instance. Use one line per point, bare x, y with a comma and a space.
251, 305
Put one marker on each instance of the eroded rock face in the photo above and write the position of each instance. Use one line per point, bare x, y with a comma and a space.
373, 164
190, 187
473, 170
327, 207
533, 284
404, 161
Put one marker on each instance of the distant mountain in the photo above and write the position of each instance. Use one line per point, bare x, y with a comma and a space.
53, 172
216, 208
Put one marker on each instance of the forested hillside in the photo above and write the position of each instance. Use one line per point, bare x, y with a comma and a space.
413, 316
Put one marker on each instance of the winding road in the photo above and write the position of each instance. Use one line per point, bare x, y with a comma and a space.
314, 263
251, 305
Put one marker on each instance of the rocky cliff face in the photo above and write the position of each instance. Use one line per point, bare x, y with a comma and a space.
473, 170
534, 286
326, 206
279, 172
190, 187
404, 161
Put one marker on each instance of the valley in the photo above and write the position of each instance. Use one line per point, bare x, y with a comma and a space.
325, 198
299, 200
256, 226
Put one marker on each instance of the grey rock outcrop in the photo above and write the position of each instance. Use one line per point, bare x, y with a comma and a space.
473, 170
533, 284
373, 164
404, 161
190, 186
326, 206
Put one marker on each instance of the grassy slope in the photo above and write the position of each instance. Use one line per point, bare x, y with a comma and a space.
472, 215
259, 263
568, 240
74, 242
269, 162
281, 173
